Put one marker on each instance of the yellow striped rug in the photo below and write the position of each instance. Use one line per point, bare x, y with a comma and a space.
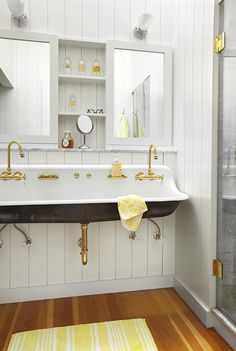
126, 335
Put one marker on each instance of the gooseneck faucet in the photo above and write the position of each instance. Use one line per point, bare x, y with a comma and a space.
151, 147
9, 153
8, 175
150, 175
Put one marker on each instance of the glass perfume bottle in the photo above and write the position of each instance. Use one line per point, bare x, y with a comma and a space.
72, 103
67, 141
81, 67
67, 65
96, 69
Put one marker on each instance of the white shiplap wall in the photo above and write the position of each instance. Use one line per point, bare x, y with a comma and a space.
54, 258
195, 237
187, 26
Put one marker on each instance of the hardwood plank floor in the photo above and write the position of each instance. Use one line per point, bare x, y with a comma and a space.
172, 323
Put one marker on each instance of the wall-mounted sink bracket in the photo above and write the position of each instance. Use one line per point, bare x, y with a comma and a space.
27, 242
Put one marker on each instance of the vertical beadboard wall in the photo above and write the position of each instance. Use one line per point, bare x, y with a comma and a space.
186, 25
54, 256
193, 108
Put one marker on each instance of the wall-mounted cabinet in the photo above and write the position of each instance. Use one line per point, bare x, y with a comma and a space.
139, 95
82, 91
130, 100
126, 89
28, 88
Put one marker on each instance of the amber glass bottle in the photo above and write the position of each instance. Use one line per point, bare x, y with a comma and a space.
67, 141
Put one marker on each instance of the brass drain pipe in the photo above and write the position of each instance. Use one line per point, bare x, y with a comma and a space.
83, 244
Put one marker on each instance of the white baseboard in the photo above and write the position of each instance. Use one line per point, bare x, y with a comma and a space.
84, 288
194, 302
225, 328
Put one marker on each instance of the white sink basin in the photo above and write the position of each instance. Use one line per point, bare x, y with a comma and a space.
83, 190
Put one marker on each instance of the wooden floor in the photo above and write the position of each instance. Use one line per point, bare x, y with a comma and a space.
173, 325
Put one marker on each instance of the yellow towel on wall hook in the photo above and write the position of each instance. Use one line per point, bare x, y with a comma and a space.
131, 209
123, 127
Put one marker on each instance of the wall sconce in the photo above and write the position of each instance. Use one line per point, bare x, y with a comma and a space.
145, 22
17, 9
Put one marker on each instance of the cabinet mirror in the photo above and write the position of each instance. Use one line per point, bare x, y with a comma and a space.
28, 88
139, 95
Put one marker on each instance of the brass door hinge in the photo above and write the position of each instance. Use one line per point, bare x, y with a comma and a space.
219, 42
217, 269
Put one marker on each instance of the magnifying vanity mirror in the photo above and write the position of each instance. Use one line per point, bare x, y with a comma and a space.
139, 95
85, 126
28, 88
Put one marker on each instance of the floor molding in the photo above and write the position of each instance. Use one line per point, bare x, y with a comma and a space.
84, 288
224, 327
194, 302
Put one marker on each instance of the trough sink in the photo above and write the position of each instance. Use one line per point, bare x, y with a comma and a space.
82, 193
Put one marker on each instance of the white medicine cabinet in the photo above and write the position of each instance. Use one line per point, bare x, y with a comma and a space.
28, 88
139, 95
126, 89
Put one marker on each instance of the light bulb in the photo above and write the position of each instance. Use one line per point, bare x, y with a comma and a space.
145, 21
16, 7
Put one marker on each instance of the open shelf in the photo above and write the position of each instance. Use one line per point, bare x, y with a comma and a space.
74, 78
89, 89
99, 115
92, 44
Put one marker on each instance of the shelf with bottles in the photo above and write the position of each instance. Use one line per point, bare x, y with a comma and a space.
81, 63
81, 80
73, 78
65, 114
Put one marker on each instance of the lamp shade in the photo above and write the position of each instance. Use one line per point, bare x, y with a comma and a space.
145, 21
16, 7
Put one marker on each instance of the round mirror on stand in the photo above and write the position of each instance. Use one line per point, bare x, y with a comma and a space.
84, 126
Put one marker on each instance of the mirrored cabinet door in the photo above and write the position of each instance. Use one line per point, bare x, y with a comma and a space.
139, 95
28, 88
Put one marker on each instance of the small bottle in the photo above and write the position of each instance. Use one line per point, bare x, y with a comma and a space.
96, 69
81, 67
67, 141
116, 168
67, 65
72, 103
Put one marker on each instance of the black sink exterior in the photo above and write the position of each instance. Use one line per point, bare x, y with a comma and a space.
77, 213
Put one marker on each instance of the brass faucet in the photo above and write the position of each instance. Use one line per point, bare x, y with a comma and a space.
151, 147
8, 175
150, 175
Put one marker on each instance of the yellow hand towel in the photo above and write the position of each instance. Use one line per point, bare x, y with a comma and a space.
123, 128
131, 209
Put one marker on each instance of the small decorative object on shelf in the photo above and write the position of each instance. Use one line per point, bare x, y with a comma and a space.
67, 141
91, 110
96, 69
81, 67
67, 65
84, 126
72, 103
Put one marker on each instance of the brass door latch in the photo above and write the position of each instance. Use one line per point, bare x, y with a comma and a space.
217, 269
